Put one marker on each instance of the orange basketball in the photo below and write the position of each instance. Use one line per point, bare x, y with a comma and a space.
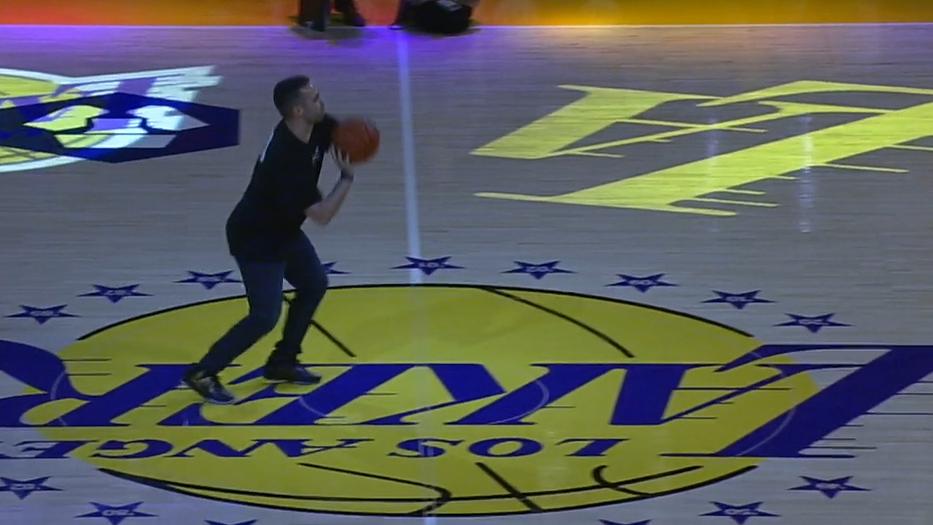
358, 138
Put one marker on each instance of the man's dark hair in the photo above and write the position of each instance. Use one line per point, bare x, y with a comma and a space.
286, 92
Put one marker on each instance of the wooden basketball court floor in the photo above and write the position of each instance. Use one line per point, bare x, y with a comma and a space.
618, 275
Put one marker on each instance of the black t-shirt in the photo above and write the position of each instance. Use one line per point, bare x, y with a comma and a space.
269, 216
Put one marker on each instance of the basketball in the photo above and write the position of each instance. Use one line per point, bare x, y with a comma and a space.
358, 138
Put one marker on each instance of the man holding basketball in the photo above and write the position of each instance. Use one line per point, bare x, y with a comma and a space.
264, 235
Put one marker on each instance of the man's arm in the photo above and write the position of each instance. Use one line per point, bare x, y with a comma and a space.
324, 211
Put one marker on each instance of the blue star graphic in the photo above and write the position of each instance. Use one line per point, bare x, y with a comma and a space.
26, 487
738, 300
608, 522
829, 487
642, 284
250, 522
813, 324
115, 294
538, 270
209, 280
116, 514
42, 315
740, 513
427, 266
329, 268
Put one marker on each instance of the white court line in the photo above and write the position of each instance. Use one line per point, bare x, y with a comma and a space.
408, 155
411, 181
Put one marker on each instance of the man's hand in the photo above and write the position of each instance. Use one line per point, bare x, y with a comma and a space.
324, 211
342, 160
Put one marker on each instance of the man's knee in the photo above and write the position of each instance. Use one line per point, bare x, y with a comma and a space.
264, 321
315, 287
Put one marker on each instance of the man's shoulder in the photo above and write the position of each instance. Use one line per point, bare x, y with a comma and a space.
280, 136
278, 147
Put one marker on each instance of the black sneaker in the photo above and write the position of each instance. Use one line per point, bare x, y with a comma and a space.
289, 373
209, 387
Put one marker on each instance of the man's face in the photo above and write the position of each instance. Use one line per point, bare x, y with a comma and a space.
310, 105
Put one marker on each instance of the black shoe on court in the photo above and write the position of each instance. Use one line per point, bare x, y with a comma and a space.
289, 373
209, 387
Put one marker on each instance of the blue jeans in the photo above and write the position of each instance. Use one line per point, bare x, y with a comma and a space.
263, 282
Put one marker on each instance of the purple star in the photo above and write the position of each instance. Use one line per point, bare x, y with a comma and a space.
209, 280
115, 294
740, 513
116, 514
427, 266
329, 268
42, 315
813, 324
538, 270
26, 487
642, 284
829, 487
738, 300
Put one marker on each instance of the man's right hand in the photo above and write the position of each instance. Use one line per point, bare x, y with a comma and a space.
342, 160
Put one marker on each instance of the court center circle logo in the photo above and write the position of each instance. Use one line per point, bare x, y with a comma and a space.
437, 399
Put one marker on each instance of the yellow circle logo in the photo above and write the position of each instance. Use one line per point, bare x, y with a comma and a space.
436, 399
